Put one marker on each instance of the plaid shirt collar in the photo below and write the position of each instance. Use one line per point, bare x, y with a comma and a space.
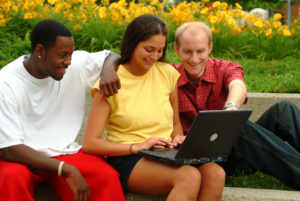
208, 76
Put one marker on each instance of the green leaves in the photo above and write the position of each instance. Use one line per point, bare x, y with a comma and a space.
256, 179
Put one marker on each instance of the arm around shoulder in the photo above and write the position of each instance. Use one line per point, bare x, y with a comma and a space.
109, 82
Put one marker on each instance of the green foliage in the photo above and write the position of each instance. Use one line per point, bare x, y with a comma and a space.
271, 64
248, 5
13, 46
250, 45
255, 180
99, 34
274, 76
18, 26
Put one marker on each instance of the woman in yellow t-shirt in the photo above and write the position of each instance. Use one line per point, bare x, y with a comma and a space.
144, 114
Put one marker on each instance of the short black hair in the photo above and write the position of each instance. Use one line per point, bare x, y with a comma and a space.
45, 33
140, 29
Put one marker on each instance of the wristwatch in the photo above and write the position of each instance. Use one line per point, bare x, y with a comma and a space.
228, 105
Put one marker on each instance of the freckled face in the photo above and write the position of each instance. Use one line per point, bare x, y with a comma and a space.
146, 53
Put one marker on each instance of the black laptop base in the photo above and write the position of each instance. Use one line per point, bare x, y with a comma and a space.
171, 160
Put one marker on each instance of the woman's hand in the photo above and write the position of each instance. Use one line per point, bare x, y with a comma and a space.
150, 143
178, 139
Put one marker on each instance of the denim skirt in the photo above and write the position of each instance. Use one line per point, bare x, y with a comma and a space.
124, 165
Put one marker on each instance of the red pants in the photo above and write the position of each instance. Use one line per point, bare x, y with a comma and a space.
17, 182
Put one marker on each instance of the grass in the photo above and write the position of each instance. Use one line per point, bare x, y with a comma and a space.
276, 76
255, 179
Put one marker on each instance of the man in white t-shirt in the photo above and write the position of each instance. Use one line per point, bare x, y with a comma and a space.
42, 101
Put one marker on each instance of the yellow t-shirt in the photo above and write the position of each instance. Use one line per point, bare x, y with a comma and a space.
142, 108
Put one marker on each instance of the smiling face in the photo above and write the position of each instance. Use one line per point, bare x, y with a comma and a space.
55, 60
145, 54
193, 48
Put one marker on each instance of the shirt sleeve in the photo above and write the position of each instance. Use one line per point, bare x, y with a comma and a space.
95, 87
173, 76
11, 132
90, 65
233, 72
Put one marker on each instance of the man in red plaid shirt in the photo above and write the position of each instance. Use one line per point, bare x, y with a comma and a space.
210, 84
205, 83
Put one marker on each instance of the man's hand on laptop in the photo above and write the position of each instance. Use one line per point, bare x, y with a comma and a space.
178, 139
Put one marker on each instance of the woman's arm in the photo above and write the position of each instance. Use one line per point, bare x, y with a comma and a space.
177, 134
92, 141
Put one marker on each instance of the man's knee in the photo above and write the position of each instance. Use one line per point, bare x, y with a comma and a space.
285, 105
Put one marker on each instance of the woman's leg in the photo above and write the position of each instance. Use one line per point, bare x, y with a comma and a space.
150, 177
212, 182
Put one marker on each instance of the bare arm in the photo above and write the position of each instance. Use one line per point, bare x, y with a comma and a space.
31, 158
237, 93
36, 161
93, 142
177, 134
109, 82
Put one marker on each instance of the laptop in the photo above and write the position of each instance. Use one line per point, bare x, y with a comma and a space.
210, 139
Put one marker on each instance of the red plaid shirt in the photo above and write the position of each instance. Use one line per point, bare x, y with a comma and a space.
211, 92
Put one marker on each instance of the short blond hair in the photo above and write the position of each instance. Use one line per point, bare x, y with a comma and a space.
193, 27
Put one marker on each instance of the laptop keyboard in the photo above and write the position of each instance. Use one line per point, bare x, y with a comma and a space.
167, 152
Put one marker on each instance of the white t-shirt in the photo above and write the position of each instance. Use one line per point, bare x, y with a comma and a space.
46, 114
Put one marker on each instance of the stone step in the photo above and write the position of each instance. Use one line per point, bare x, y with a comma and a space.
235, 194
229, 194
259, 102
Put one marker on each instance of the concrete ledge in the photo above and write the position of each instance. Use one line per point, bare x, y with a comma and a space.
250, 194
258, 102
229, 194
235, 194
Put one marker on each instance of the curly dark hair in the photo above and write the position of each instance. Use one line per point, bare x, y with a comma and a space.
45, 33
